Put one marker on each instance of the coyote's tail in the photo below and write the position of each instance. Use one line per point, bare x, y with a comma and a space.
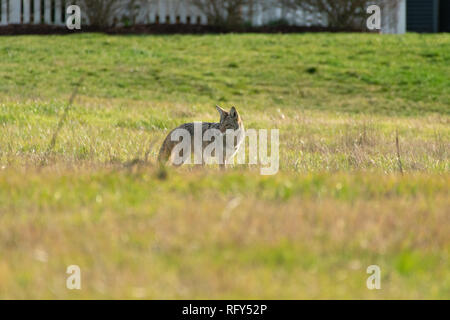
166, 150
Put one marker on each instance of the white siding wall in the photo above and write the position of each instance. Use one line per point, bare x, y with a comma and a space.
26, 11
15, 8
37, 11
176, 10
394, 23
3, 15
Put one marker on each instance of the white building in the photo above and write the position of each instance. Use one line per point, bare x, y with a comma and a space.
177, 11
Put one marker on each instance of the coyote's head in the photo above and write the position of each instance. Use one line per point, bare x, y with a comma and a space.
229, 119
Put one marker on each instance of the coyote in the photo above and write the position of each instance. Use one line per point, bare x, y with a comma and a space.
230, 124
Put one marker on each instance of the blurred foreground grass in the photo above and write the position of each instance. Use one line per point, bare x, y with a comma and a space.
203, 234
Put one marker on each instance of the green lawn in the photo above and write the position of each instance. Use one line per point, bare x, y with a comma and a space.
401, 75
337, 205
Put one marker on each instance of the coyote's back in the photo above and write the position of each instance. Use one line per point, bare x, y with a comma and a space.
229, 120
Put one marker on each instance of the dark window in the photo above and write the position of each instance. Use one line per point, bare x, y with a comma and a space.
199, 20
167, 19
157, 19
63, 11
52, 11
42, 11
188, 20
21, 11
422, 15
444, 16
32, 11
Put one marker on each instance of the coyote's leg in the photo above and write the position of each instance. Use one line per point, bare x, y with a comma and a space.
224, 161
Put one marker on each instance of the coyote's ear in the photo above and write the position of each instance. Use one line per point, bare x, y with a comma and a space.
233, 112
222, 113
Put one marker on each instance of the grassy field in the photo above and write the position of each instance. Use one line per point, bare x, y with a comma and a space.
338, 204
